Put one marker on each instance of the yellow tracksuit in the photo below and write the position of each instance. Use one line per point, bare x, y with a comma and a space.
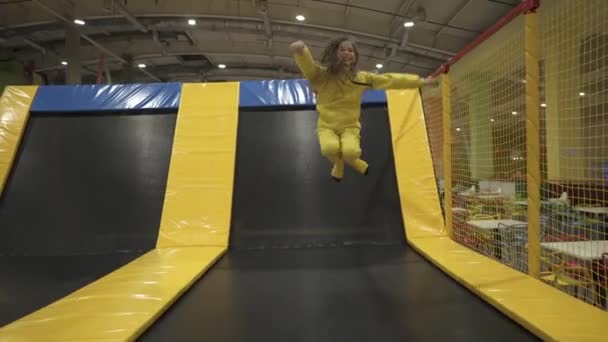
339, 107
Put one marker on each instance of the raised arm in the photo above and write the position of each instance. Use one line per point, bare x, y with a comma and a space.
304, 60
396, 80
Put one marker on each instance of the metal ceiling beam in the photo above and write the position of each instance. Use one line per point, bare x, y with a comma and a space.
86, 37
312, 35
250, 73
347, 8
322, 31
286, 57
261, 7
281, 60
92, 61
172, 72
403, 8
123, 10
34, 45
387, 13
370, 36
305, 25
215, 78
61, 67
212, 54
156, 39
379, 38
464, 4
176, 68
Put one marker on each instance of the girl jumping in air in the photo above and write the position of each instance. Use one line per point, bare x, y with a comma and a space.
339, 87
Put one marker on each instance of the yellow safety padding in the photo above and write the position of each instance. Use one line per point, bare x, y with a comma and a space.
15, 106
121, 305
546, 311
198, 200
414, 165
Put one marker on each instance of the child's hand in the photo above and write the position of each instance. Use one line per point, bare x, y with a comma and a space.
431, 82
297, 47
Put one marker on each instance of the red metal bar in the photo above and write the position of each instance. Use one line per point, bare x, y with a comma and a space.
524, 7
100, 64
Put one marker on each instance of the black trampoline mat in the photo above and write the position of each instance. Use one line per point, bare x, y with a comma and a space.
87, 184
284, 196
383, 293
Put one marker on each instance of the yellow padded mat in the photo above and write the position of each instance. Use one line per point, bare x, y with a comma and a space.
121, 305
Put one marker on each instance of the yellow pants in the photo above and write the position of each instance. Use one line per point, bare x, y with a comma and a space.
342, 147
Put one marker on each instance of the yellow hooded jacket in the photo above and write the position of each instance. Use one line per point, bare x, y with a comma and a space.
339, 99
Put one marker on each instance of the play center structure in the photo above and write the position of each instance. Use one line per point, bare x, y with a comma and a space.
206, 212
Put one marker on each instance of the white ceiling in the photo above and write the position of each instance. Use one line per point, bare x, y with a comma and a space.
250, 36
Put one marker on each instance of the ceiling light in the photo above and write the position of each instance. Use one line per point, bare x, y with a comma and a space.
300, 17
523, 81
408, 23
64, 63
514, 112
458, 129
581, 94
491, 120
543, 105
222, 66
141, 65
79, 22
379, 66
191, 22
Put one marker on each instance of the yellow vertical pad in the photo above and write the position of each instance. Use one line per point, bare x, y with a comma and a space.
14, 112
198, 199
121, 305
414, 166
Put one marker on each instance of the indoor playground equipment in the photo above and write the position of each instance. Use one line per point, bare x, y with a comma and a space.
204, 211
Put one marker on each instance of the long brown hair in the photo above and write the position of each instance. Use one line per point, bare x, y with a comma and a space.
330, 56
330, 60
